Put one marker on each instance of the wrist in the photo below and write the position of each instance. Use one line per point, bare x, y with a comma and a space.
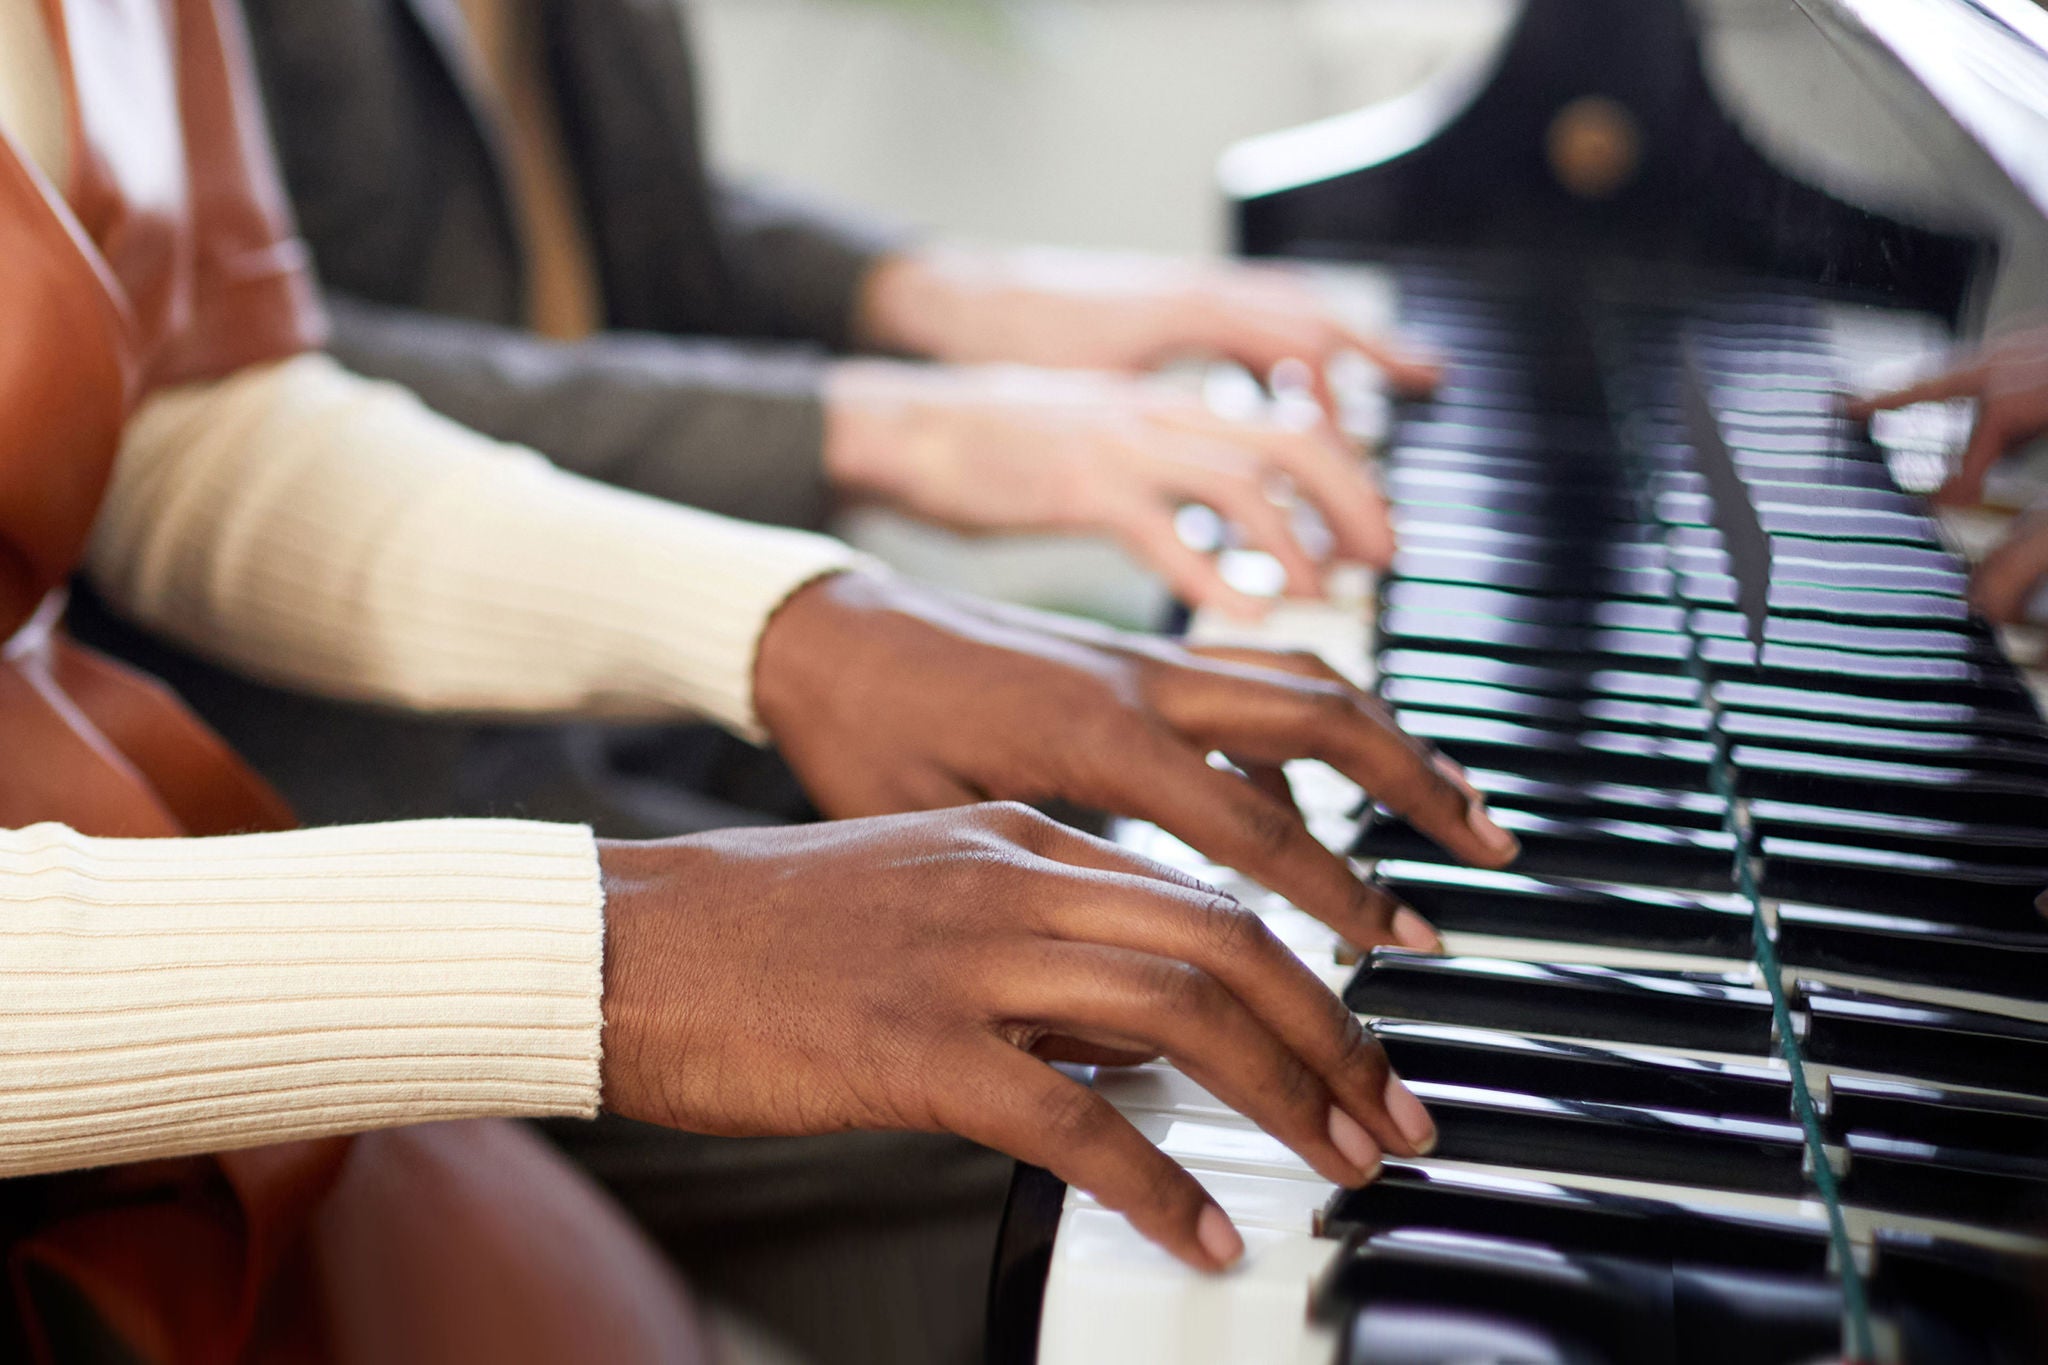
916, 303
645, 995
810, 657
869, 425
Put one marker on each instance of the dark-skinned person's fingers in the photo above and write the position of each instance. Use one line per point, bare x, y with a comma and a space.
1963, 381
1218, 935
1117, 998
1008, 1101
1269, 778
1301, 663
1161, 779
1242, 710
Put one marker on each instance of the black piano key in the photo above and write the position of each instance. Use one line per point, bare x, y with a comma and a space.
1545, 646
1953, 1304
2014, 845
1912, 677
1612, 800
1489, 1059
1937, 791
1516, 905
1897, 1175
1738, 1314
1409, 1296
1569, 681
1501, 1205
1557, 712
1579, 611
1897, 948
1654, 760
1845, 604
1631, 1142
1706, 1011
1425, 1297
2016, 1125
1812, 734
1864, 709
1997, 896
1891, 1037
1582, 847
1404, 1333
1851, 640
1588, 577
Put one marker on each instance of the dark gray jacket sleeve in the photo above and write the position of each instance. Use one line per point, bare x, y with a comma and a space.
799, 264
727, 426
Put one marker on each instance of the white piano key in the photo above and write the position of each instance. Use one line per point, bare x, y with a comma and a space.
1278, 1203
1113, 1296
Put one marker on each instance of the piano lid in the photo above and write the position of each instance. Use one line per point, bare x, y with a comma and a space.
1887, 149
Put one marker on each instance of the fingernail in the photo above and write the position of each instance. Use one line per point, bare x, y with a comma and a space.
1498, 841
1218, 1237
1413, 931
1410, 1117
1354, 1142
1455, 774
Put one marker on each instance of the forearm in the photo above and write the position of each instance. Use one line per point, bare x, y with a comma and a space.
714, 424
171, 996
332, 534
801, 268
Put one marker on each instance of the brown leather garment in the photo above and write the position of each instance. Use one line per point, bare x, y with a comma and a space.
169, 258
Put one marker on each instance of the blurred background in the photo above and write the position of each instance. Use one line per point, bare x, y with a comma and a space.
1085, 122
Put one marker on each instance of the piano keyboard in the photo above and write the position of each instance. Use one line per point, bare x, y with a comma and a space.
1747, 1058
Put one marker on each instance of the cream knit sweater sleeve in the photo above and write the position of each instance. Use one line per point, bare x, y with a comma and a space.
160, 997
333, 534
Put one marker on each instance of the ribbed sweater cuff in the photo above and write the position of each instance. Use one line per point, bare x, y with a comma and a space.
166, 997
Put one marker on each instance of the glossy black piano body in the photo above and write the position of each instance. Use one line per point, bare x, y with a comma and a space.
1860, 795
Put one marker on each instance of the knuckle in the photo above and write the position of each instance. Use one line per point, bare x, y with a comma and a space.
1074, 1118
1271, 829
1180, 990
1229, 931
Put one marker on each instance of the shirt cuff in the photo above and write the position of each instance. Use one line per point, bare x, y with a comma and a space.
172, 996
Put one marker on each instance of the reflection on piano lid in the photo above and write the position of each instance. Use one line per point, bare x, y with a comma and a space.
1747, 1058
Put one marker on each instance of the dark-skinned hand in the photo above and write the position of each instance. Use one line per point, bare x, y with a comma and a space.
919, 971
885, 696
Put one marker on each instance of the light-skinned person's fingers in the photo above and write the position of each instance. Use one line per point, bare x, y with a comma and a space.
1964, 381
1326, 471
2002, 585
1149, 531
1118, 998
1006, 1100
1988, 442
1219, 936
1240, 497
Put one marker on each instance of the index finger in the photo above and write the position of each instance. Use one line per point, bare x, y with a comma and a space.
1030, 1111
1964, 381
1232, 822
1271, 717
